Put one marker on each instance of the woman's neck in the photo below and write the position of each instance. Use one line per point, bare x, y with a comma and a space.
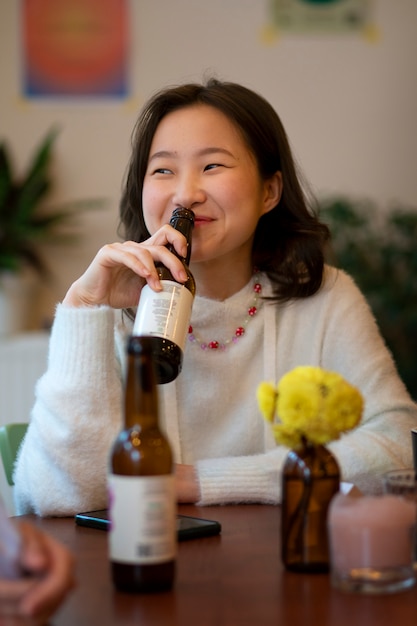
219, 282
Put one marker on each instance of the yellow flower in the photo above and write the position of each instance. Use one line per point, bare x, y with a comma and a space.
286, 436
298, 401
310, 404
267, 397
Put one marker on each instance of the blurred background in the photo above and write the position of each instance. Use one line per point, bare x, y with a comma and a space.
347, 99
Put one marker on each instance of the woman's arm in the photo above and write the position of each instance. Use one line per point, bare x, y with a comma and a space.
62, 464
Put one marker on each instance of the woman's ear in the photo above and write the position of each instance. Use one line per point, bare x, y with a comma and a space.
273, 190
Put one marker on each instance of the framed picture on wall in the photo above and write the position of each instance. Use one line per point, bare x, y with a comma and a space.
320, 16
74, 48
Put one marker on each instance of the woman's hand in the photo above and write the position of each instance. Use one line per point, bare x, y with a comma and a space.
119, 270
188, 489
49, 569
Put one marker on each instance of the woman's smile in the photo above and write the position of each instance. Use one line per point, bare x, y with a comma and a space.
201, 220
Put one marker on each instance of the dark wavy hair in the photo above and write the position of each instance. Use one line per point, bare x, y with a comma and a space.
289, 240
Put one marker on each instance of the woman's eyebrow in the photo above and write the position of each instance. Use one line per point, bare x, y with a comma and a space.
214, 150
162, 154
203, 152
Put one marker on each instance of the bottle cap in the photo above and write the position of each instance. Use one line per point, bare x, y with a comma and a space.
183, 212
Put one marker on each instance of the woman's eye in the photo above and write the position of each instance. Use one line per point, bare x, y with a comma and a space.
212, 166
162, 170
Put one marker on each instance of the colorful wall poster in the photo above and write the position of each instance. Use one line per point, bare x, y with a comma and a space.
74, 48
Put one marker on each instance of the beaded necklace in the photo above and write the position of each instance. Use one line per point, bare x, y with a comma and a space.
240, 330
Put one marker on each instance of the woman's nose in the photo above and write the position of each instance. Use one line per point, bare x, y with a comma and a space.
189, 192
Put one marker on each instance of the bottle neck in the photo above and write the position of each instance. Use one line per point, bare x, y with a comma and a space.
183, 220
141, 395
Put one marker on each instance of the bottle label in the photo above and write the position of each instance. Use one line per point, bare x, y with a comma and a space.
164, 314
142, 512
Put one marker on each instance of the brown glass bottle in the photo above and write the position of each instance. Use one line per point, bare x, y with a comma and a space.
310, 479
165, 316
142, 499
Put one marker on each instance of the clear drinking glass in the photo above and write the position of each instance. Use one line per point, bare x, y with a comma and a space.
403, 483
414, 446
372, 543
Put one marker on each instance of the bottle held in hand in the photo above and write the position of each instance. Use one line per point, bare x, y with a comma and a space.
165, 316
142, 499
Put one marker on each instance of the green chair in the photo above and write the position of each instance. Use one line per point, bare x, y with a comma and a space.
11, 436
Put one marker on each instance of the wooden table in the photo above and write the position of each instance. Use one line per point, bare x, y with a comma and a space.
235, 579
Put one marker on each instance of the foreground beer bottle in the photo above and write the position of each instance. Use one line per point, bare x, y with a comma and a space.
165, 316
142, 499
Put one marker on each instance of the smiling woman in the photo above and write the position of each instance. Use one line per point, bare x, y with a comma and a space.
220, 150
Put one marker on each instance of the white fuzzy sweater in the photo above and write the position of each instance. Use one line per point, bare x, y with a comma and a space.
210, 412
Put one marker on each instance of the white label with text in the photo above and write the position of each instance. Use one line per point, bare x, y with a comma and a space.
164, 314
142, 512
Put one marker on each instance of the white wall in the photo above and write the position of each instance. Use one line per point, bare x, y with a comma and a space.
349, 105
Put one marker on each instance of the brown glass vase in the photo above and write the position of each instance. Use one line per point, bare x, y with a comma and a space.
310, 479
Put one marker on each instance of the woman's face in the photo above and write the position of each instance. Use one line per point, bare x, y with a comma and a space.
199, 160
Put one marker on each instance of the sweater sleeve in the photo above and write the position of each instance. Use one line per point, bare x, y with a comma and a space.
240, 480
62, 464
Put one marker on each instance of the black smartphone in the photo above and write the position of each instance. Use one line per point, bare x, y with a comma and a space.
187, 527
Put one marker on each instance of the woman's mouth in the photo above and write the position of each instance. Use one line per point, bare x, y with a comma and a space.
201, 220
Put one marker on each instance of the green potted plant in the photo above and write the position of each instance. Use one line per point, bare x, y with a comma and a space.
378, 249
26, 224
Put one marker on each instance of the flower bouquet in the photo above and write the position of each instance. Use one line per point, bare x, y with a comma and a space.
307, 409
310, 404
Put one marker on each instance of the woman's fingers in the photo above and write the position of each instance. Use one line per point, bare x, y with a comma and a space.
118, 272
168, 235
164, 256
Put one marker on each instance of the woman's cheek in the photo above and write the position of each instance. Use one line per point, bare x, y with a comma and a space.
152, 216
